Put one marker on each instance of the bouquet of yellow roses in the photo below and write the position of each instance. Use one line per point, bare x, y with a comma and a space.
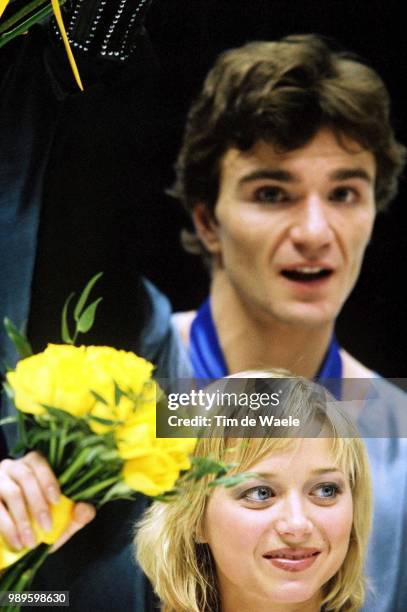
91, 412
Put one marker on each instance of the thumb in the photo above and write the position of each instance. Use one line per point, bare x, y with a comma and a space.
82, 515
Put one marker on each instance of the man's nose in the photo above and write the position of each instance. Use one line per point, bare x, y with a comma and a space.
311, 231
294, 522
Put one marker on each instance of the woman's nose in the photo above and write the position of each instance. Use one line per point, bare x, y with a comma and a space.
293, 521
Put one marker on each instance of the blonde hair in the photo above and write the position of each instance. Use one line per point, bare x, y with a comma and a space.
182, 570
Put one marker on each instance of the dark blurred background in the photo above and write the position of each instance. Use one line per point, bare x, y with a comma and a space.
114, 154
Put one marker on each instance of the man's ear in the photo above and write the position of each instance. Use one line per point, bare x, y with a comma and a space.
206, 227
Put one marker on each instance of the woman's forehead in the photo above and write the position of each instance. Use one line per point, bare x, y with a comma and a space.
315, 453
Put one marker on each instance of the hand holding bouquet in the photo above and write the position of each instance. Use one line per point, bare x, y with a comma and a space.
91, 413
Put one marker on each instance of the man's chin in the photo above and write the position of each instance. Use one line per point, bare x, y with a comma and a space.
311, 316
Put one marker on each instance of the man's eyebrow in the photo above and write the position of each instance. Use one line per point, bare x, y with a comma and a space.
341, 174
344, 174
275, 175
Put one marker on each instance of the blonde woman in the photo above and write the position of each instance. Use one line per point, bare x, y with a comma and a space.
290, 536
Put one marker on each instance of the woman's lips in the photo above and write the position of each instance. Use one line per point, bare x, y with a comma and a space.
293, 560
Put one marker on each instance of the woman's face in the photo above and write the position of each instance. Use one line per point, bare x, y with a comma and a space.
277, 538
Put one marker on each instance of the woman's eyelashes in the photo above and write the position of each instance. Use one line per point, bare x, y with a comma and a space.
260, 494
325, 492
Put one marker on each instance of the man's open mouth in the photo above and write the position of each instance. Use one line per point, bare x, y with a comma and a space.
307, 274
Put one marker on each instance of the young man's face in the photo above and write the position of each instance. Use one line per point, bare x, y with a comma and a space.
291, 229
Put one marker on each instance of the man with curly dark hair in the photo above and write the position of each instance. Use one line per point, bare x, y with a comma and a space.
288, 154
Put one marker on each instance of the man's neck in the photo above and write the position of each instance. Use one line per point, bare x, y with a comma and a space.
251, 340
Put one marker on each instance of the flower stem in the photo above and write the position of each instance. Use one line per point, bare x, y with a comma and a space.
78, 483
90, 491
52, 445
27, 577
61, 446
20, 575
20, 14
12, 574
25, 25
77, 463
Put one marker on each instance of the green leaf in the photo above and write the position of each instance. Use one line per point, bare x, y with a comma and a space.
25, 10
65, 335
99, 398
59, 413
84, 296
95, 452
201, 466
34, 437
38, 16
64, 418
72, 437
22, 27
109, 455
19, 340
168, 496
104, 421
93, 439
232, 481
87, 318
117, 491
118, 394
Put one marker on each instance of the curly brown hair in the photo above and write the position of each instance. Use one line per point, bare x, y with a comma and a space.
283, 93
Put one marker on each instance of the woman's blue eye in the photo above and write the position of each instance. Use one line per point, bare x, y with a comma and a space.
258, 494
327, 491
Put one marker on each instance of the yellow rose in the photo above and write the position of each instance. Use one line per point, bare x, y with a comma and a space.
151, 474
131, 374
64, 377
179, 449
135, 438
151, 465
145, 454
57, 377
157, 470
